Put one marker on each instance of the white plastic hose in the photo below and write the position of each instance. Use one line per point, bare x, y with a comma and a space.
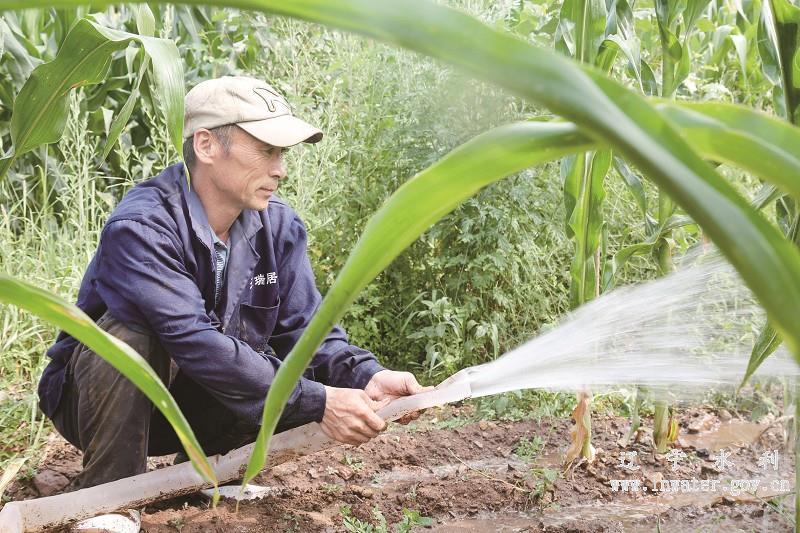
53, 511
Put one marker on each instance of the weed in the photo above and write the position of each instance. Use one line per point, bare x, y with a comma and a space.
542, 480
354, 463
331, 488
410, 519
176, 522
528, 449
293, 523
412, 493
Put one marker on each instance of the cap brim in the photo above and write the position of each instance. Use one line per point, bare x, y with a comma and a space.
282, 131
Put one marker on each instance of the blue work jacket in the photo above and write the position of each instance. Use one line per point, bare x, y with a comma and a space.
154, 270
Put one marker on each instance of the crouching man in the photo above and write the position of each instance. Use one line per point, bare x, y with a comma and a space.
210, 282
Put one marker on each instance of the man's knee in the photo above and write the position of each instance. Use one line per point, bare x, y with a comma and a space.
144, 341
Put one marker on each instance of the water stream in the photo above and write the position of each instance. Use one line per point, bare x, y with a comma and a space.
684, 332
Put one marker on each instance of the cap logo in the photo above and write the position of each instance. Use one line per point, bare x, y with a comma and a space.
271, 99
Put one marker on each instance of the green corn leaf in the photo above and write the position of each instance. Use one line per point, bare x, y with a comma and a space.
721, 43
125, 113
691, 13
581, 29
767, 342
667, 14
754, 141
411, 210
584, 186
621, 37
767, 43
24, 60
779, 46
145, 21
41, 108
740, 45
648, 246
768, 339
634, 183
649, 83
118, 354
675, 39
766, 195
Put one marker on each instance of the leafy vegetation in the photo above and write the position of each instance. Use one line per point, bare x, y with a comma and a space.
466, 266
380, 525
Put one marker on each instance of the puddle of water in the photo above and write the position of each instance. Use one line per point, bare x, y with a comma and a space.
731, 433
628, 513
497, 465
489, 525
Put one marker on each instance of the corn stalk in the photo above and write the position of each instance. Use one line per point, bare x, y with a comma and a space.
580, 34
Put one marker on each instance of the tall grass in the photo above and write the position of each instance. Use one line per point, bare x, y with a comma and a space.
50, 247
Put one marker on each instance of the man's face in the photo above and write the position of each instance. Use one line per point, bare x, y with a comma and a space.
248, 175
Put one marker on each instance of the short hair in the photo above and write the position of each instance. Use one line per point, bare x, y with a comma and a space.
223, 134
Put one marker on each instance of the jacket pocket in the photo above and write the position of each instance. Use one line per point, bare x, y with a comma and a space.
256, 325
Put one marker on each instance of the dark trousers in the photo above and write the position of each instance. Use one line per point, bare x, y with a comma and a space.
117, 427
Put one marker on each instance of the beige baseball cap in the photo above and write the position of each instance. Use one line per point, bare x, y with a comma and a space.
249, 103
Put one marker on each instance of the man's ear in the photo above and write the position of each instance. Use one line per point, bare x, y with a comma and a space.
206, 147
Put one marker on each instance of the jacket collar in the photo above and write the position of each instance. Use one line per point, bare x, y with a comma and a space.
248, 224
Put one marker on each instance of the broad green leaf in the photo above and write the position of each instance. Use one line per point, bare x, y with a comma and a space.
41, 108
768, 339
584, 186
118, 354
779, 45
412, 209
754, 141
581, 28
634, 183
125, 113
145, 21
621, 37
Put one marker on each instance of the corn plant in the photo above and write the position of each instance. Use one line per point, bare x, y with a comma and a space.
595, 34
779, 45
604, 115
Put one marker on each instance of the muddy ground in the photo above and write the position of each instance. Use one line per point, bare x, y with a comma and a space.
501, 476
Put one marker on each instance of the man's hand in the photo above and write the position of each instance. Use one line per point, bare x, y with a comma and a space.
350, 415
390, 384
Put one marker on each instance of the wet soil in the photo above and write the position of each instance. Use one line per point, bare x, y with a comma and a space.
506, 476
